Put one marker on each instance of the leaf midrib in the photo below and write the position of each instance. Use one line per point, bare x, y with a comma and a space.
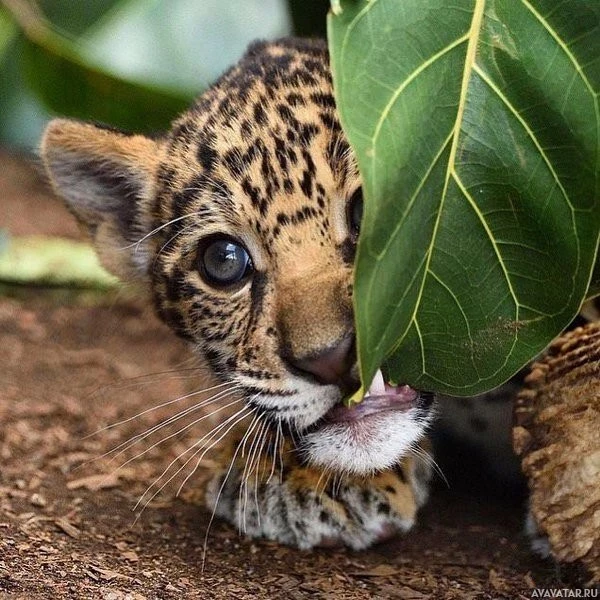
430, 61
470, 56
472, 38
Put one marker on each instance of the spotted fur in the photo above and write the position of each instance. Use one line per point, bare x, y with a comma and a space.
261, 158
302, 506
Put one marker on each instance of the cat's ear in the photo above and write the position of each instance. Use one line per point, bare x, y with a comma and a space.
107, 178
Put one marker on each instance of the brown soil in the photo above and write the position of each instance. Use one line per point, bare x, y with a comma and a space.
74, 363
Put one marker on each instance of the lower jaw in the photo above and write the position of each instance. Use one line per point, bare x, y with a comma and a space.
362, 447
363, 414
367, 424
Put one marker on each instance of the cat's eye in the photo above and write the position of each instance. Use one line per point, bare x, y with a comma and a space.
223, 261
355, 212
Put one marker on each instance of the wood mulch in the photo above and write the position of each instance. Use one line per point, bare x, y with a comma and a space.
73, 363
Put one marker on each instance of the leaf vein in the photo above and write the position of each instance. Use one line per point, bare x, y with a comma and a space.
562, 45
579, 70
484, 76
458, 304
422, 346
402, 86
469, 62
490, 235
526, 127
380, 255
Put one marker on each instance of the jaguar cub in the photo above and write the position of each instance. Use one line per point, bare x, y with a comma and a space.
243, 221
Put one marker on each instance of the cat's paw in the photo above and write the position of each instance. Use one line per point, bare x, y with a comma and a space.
302, 508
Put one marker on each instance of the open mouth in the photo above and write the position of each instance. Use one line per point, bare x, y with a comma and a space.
381, 397
372, 435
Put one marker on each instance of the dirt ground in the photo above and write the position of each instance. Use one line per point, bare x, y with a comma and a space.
73, 363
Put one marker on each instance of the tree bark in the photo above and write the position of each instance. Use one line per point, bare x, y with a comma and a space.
557, 435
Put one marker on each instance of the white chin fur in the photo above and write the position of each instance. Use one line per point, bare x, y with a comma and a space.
362, 447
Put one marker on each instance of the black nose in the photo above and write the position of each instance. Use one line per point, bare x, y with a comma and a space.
331, 365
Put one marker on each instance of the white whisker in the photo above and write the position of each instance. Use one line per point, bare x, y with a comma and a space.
256, 421
281, 447
148, 378
251, 451
157, 407
224, 192
428, 458
156, 230
173, 237
198, 442
248, 468
172, 435
133, 440
208, 448
221, 488
336, 484
324, 473
207, 437
275, 448
260, 454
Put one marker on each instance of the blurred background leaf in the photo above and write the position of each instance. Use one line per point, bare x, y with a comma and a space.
182, 44
41, 260
132, 63
21, 115
74, 18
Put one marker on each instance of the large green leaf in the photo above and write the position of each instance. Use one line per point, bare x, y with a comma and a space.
476, 125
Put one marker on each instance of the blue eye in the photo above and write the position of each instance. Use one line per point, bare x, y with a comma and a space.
223, 261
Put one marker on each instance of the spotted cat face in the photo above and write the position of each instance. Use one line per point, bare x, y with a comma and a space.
244, 220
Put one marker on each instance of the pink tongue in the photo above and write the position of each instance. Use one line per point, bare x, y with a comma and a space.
380, 397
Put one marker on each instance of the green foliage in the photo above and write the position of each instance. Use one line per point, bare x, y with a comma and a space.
8, 31
38, 260
75, 18
131, 63
68, 85
20, 119
477, 128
